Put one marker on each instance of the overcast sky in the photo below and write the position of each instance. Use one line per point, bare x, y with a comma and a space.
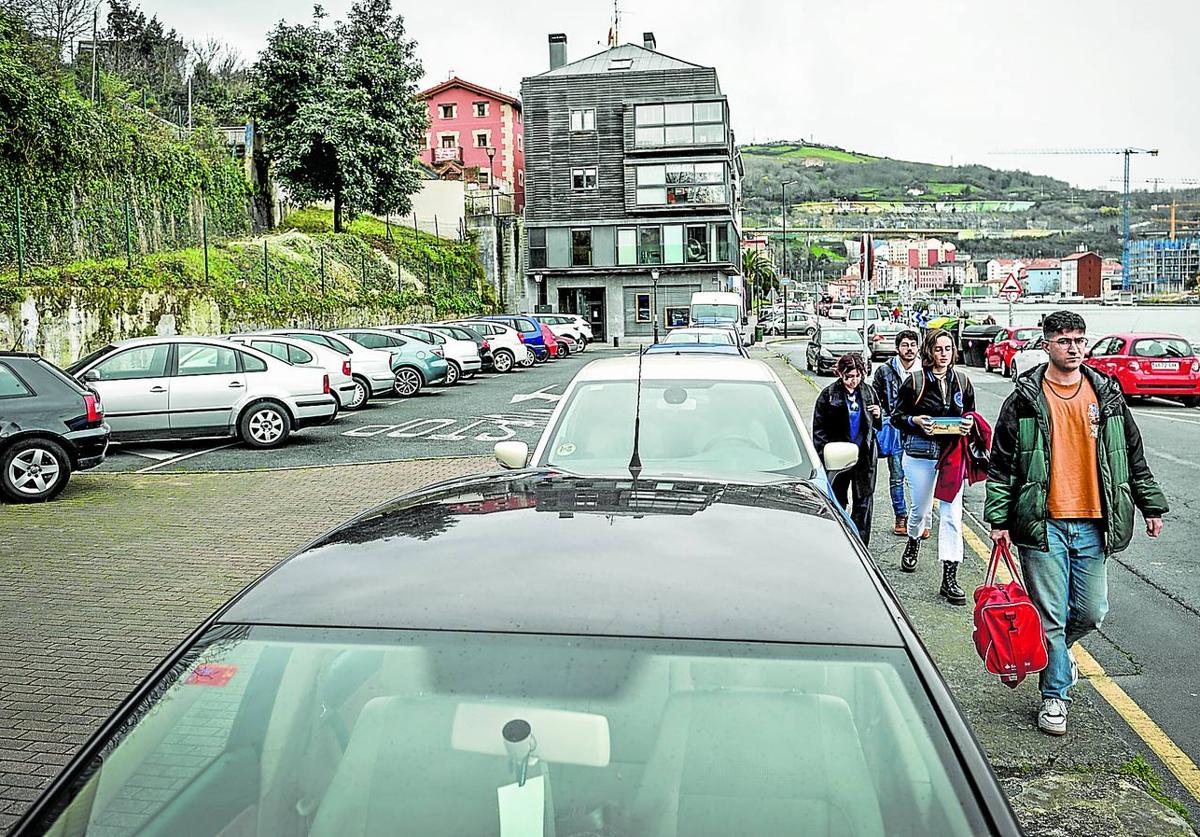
928, 80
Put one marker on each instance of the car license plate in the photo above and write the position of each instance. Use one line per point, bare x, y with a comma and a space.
1165, 365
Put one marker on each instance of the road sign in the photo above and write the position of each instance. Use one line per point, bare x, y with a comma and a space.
1011, 286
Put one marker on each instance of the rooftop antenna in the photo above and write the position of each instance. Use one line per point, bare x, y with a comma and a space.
614, 36
635, 461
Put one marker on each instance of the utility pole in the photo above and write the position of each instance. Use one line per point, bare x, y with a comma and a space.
95, 52
786, 278
189, 103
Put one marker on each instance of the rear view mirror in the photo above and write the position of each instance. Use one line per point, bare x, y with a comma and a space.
838, 456
513, 455
91, 375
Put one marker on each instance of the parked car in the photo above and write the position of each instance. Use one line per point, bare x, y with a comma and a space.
883, 339
652, 704
1032, 354
1150, 364
829, 344
530, 331
555, 345
51, 427
695, 349
584, 326
836, 311
157, 388
566, 326
799, 324
999, 354
508, 350
415, 363
304, 353
372, 368
486, 359
462, 356
856, 315
702, 335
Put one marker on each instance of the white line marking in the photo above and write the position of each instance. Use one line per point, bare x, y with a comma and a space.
185, 456
543, 394
1140, 413
1172, 458
157, 454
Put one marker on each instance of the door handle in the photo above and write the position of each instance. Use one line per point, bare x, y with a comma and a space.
158, 389
235, 385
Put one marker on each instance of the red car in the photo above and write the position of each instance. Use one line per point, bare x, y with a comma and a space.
998, 356
551, 340
1148, 363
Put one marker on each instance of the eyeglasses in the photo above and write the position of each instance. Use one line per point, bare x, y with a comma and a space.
1068, 342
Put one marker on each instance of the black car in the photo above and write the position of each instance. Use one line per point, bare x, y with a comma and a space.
722, 659
50, 425
830, 343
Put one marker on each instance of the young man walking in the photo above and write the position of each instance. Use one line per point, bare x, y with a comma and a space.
1067, 471
887, 382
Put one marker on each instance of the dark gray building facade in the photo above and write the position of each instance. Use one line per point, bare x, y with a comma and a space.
630, 170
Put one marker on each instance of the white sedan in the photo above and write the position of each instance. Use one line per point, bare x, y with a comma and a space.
1032, 354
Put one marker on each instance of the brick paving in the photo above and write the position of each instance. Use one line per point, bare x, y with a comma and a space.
96, 587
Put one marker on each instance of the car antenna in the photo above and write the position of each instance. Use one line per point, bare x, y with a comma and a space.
635, 461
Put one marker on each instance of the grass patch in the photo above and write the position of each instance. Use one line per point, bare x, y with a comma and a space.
1140, 769
950, 188
819, 152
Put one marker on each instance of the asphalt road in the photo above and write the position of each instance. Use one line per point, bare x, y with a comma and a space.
1150, 641
464, 420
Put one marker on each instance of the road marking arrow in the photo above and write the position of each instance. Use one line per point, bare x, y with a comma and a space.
543, 394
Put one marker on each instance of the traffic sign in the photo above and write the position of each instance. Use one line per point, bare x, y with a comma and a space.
1011, 286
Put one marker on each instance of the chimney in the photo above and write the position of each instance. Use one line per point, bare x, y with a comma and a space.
648, 41
558, 50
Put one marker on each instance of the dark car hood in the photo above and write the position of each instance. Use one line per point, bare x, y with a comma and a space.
542, 552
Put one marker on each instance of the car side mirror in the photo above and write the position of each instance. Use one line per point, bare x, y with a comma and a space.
514, 455
838, 456
91, 375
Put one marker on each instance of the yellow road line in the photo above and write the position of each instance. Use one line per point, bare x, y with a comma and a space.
1143, 725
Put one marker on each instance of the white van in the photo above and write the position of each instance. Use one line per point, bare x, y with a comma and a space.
721, 308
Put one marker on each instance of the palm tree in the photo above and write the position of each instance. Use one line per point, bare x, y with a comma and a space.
759, 271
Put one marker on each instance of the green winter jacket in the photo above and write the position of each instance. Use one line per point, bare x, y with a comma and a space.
1019, 475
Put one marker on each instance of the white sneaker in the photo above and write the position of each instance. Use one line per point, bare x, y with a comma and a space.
1052, 719
1074, 668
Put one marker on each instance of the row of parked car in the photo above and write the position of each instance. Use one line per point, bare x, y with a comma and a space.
259, 386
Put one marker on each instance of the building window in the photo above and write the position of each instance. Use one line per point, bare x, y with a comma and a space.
483, 139
483, 178
537, 247
520, 142
583, 178
583, 120
448, 140
720, 245
697, 244
641, 308
627, 245
481, 108
649, 245
581, 247
521, 178
679, 123
620, 64
448, 111
681, 183
673, 245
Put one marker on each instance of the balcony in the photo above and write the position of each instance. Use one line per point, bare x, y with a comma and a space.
453, 154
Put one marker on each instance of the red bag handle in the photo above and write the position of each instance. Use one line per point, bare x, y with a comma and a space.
1000, 550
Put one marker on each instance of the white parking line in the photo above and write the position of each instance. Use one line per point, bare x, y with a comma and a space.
156, 454
183, 457
1147, 413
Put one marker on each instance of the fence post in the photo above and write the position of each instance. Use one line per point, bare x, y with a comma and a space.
387, 225
266, 270
435, 227
128, 237
399, 277
20, 240
414, 226
322, 251
204, 234
364, 273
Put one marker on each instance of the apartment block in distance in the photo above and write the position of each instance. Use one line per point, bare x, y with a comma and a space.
631, 171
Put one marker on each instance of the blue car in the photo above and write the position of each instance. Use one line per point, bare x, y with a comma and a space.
530, 331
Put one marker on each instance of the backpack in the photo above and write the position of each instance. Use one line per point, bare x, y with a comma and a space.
1008, 628
960, 376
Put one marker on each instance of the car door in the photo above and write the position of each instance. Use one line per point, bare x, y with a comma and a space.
208, 382
133, 386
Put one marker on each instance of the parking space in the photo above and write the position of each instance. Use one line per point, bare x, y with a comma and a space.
467, 419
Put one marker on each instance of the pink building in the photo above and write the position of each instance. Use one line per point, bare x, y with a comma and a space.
464, 121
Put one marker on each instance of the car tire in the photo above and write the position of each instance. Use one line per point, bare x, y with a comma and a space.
528, 361
563, 349
34, 470
265, 424
542, 357
503, 360
362, 394
408, 381
1008, 370
1191, 400
453, 373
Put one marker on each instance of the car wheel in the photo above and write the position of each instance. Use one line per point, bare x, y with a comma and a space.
503, 360
563, 349
541, 357
1007, 369
1135, 399
1191, 400
529, 359
362, 393
408, 382
266, 424
453, 373
33, 470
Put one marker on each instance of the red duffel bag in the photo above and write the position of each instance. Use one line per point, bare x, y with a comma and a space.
1008, 628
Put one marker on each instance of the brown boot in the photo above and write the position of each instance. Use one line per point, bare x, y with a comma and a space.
925, 535
901, 527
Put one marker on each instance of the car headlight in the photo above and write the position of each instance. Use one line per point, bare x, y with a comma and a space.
825, 353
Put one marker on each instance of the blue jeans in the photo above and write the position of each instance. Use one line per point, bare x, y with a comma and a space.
896, 483
1069, 585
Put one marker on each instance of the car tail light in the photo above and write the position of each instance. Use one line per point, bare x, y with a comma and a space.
438, 352
346, 368
1134, 366
325, 384
95, 410
521, 337
1195, 366
487, 345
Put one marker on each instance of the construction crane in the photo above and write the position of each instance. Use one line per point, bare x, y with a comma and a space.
1126, 152
1169, 182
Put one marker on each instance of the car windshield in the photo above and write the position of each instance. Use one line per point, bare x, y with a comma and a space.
857, 314
262, 730
702, 428
1027, 334
722, 337
88, 359
701, 313
840, 335
1161, 347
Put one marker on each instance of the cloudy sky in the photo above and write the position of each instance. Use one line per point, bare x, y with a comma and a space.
929, 80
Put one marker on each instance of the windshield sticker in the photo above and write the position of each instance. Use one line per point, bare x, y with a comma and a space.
565, 449
211, 674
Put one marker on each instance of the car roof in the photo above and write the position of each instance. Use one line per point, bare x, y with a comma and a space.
671, 367
693, 349
1143, 335
664, 558
173, 338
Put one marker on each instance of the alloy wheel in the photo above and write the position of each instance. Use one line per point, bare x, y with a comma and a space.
452, 374
34, 471
359, 397
408, 382
266, 426
503, 361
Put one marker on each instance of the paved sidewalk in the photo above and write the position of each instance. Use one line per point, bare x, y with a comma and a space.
96, 587
1076, 784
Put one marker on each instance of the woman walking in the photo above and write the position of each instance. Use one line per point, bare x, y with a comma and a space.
848, 411
939, 391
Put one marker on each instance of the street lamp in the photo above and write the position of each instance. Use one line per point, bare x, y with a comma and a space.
654, 274
785, 184
491, 155
537, 280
